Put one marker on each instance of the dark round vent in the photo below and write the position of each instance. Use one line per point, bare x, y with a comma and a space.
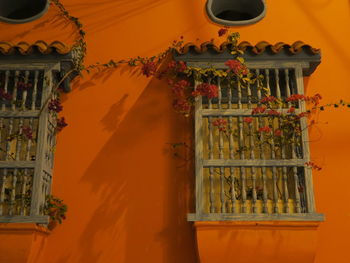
22, 11
236, 12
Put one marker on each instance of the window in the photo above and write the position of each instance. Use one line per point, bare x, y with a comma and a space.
235, 13
22, 11
238, 175
27, 130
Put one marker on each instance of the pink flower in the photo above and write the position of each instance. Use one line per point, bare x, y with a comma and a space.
149, 68
182, 66
248, 119
222, 32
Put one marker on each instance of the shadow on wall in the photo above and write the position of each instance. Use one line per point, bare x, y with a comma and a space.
143, 195
307, 7
104, 15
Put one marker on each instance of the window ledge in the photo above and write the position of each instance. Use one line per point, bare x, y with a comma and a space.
256, 217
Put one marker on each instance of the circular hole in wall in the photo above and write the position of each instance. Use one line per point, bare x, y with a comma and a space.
236, 12
22, 11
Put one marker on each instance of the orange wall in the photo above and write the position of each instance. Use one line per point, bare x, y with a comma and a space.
127, 196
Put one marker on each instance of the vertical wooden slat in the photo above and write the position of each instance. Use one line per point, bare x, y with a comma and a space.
249, 96
199, 152
23, 191
13, 193
278, 88
41, 165
7, 74
19, 139
219, 93
253, 170
9, 155
242, 169
263, 173
35, 89
311, 207
2, 194
229, 96
14, 94
29, 144
222, 189
25, 92
233, 190
211, 169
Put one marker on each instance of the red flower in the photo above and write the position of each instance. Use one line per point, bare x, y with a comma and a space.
295, 97
27, 132
248, 119
222, 32
265, 129
303, 114
268, 99
291, 110
5, 95
209, 90
278, 132
181, 105
273, 113
55, 105
313, 166
60, 124
149, 68
179, 87
258, 110
182, 66
221, 124
236, 66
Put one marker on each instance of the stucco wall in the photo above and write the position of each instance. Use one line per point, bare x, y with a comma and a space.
127, 195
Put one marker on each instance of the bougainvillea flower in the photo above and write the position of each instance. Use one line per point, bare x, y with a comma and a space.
265, 129
278, 133
206, 89
149, 68
179, 87
258, 110
248, 119
295, 97
221, 124
55, 105
268, 99
273, 113
27, 132
181, 105
236, 66
291, 110
222, 32
61, 123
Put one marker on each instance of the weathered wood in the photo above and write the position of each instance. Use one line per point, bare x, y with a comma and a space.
256, 65
199, 152
311, 207
17, 164
25, 219
19, 114
256, 217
